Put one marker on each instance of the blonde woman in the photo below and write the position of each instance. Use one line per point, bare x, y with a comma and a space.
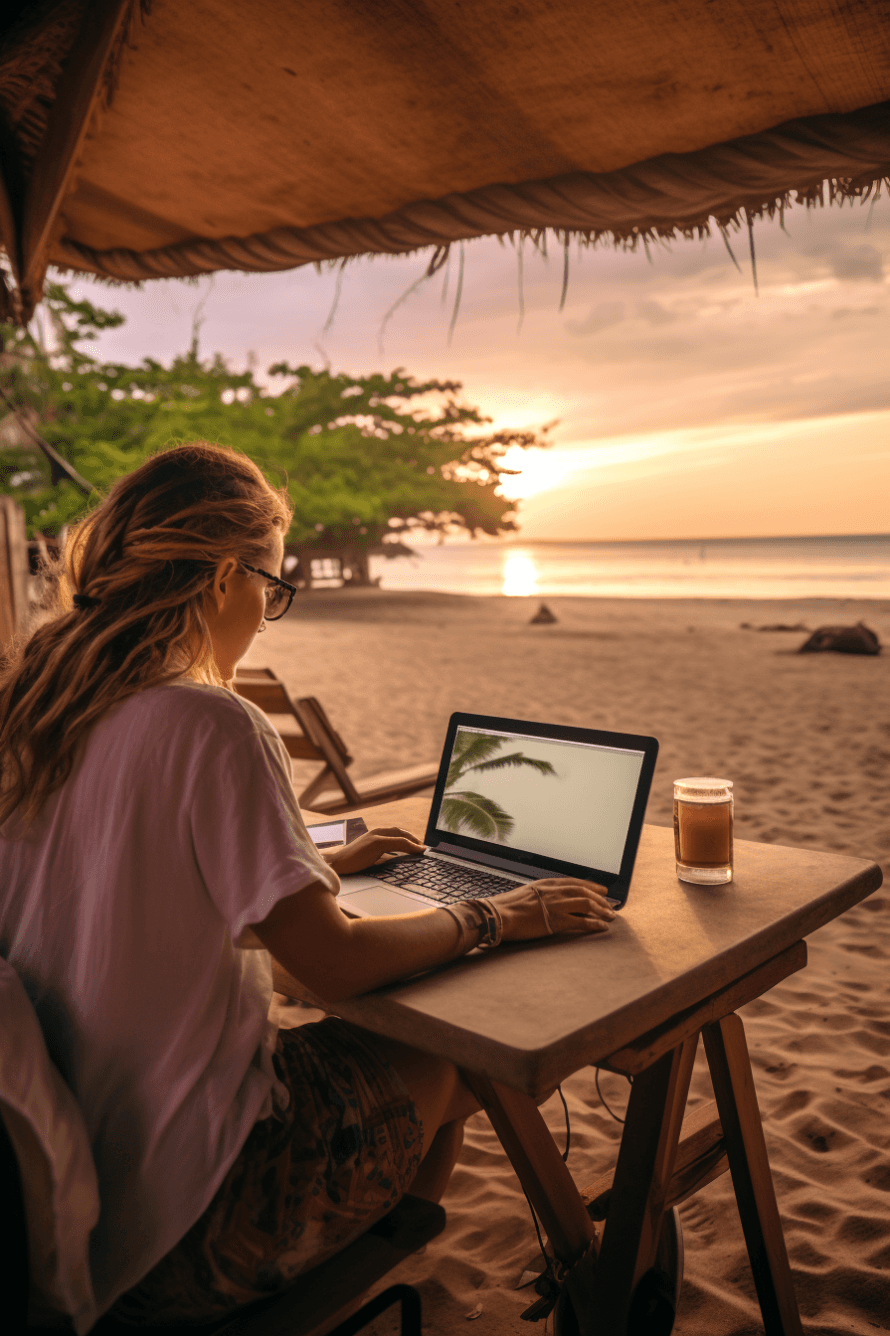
147, 824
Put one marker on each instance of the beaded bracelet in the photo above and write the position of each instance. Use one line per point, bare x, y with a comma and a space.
466, 924
492, 924
485, 915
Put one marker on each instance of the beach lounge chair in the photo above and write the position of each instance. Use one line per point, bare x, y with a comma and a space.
49, 1203
331, 790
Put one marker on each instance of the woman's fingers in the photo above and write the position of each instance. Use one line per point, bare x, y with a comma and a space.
569, 904
578, 925
369, 848
549, 884
385, 831
399, 844
583, 909
562, 889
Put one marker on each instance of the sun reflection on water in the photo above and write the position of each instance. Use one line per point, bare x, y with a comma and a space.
520, 575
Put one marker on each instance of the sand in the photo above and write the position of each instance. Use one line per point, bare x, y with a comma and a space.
807, 741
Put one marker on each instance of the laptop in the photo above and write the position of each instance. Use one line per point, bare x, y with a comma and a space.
514, 802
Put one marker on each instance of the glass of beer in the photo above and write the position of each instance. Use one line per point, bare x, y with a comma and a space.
703, 830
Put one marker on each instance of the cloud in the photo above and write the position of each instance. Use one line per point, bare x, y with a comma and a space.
844, 312
827, 475
857, 264
680, 343
599, 317
657, 314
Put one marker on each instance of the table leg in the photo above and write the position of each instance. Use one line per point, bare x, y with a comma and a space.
642, 1178
601, 1289
539, 1166
733, 1083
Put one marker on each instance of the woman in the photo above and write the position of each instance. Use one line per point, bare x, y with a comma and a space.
149, 834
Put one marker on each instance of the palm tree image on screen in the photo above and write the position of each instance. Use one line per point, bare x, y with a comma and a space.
475, 813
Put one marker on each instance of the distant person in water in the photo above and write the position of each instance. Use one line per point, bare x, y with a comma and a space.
152, 855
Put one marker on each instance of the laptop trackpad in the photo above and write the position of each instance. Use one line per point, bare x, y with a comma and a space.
378, 902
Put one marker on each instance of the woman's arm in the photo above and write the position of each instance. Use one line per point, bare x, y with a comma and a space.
337, 957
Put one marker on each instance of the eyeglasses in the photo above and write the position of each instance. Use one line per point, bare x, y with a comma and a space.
279, 594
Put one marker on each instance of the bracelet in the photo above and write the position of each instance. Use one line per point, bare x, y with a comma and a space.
468, 925
492, 924
483, 915
547, 924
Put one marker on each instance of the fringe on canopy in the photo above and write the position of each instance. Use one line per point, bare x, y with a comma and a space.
33, 51
816, 161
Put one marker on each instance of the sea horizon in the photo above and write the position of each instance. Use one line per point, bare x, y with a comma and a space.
845, 566
517, 541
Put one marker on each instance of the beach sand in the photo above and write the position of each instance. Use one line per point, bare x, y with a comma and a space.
806, 740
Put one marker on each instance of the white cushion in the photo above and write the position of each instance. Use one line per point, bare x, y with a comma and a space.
59, 1182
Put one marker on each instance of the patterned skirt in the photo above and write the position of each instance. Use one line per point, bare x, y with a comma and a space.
307, 1182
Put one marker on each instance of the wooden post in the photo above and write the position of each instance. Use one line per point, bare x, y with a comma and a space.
9, 233
13, 572
77, 96
733, 1083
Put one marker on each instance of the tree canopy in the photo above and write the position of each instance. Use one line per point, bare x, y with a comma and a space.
367, 460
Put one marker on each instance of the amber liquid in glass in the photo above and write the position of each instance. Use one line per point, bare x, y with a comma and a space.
703, 833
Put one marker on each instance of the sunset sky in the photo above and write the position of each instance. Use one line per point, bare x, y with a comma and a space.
687, 406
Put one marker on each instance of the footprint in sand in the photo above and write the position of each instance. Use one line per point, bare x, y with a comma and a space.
699, 1220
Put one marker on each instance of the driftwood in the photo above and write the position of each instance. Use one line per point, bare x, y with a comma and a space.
858, 639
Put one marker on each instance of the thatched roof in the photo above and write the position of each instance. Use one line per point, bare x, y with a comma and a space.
168, 139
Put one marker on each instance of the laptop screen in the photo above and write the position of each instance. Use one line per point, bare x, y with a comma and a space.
569, 801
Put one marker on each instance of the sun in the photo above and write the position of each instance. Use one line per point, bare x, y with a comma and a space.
536, 471
520, 575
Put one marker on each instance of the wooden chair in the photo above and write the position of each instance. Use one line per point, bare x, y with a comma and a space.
332, 789
309, 1307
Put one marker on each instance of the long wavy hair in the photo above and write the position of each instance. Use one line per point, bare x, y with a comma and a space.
140, 566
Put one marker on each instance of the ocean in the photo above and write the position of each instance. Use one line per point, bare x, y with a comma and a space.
853, 567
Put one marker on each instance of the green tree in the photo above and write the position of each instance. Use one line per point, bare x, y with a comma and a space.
367, 460
481, 815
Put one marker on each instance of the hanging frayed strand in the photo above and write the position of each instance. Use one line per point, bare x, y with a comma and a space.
444, 297
437, 260
520, 281
753, 256
871, 208
338, 287
457, 295
729, 248
395, 306
565, 271
198, 316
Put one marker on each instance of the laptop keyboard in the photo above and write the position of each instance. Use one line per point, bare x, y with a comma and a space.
443, 882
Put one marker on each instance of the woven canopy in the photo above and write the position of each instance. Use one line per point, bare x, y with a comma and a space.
164, 139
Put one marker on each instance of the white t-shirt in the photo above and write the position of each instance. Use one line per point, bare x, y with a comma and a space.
119, 909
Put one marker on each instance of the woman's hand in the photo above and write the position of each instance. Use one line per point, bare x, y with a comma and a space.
370, 847
572, 906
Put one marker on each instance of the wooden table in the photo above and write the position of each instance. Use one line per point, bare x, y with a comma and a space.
677, 963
